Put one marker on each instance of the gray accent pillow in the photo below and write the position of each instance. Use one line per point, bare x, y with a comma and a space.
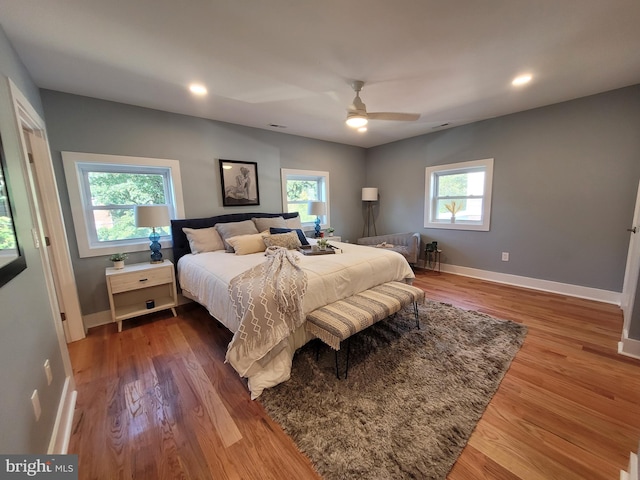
293, 223
203, 239
233, 229
263, 224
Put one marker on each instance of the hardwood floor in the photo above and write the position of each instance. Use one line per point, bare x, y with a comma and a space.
157, 401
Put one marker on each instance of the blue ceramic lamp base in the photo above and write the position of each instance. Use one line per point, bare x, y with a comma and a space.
156, 254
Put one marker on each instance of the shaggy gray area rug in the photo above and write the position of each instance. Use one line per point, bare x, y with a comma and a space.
411, 400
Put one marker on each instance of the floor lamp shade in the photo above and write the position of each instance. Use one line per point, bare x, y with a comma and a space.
370, 194
318, 209
152, 216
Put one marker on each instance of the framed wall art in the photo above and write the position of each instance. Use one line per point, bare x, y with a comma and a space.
239, 183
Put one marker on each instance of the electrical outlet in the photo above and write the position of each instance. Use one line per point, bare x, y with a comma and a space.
505, 256
47, 371
35, 401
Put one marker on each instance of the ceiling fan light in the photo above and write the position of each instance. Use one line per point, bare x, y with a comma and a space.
357, 121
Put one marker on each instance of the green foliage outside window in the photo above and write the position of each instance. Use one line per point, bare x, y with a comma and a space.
299, 194
455, 185
7, 238
123, 191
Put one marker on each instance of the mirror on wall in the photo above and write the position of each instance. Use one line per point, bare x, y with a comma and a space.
12, 260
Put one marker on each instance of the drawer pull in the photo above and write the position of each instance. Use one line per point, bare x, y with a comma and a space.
144, 279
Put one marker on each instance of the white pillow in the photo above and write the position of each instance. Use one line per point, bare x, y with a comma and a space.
203, 239
246, 244
293, 223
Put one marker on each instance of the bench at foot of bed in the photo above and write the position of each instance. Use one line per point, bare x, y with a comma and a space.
338, 321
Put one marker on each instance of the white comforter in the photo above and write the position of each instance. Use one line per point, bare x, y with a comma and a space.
205, 278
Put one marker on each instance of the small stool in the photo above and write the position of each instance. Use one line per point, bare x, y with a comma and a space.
432, 258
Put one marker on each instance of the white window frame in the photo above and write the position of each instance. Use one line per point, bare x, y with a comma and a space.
430, 197
323, 191
76, 163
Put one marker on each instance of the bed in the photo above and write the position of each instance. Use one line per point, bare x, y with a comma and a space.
205, 278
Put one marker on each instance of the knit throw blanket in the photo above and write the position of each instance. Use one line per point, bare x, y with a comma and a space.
268, 303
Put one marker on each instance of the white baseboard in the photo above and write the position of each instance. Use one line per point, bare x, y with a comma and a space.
96, 319
629, 346
61, 434
568, 289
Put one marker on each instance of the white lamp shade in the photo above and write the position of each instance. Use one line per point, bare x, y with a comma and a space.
317, 208
370, 194
152, 215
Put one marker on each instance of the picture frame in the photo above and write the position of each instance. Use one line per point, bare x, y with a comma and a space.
239, 181
12, 259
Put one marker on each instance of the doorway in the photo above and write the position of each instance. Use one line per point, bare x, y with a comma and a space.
39, 170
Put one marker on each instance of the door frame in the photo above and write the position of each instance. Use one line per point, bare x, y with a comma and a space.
629, 346
27, 118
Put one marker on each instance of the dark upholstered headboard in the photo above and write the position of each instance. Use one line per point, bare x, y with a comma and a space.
180, 242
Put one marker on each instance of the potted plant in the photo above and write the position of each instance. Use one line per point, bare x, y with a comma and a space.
330, 231
322, 243
453, 208
118, 260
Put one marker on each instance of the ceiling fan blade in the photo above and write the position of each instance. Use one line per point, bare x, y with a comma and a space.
403, 117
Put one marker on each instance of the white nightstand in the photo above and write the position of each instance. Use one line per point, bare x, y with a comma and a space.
141, 288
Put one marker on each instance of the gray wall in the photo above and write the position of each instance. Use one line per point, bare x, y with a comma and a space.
27, 328
565, 181
83, 124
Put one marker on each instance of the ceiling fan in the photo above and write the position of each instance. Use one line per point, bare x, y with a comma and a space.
357, 116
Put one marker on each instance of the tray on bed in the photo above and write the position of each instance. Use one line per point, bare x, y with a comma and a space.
308, 250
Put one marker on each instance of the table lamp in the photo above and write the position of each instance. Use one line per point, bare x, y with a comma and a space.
318, 209
153, 216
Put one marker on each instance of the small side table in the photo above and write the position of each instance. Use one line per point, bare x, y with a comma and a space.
141, 288
432, 260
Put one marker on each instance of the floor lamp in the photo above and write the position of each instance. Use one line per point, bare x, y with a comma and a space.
369, 195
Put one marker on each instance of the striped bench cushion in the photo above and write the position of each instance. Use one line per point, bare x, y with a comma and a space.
337, 321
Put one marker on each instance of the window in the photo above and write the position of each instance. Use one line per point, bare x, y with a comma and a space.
458, 196
299, 188
103, 191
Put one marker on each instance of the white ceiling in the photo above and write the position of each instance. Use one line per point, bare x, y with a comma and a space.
291, 62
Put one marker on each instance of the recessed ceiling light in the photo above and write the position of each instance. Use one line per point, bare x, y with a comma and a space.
198, 89
521, 80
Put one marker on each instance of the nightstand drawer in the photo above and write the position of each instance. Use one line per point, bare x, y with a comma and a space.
140, 279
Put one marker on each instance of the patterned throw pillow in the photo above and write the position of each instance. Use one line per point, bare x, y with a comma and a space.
203, 239
301, 235
289, 240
